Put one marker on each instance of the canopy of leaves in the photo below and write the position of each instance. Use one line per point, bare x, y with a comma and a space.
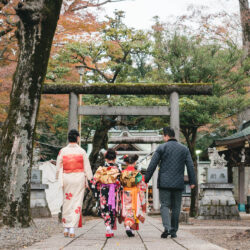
183, 58
109, 57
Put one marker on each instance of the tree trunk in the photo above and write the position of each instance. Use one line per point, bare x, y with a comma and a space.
190, 135
245, 16
36, 28
100, 141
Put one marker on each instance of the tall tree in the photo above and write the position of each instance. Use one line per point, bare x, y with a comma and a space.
35, 32
108, 57
245, 17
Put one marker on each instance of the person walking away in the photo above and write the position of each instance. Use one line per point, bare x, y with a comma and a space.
133, 197
73, 168
172, 157
106, 187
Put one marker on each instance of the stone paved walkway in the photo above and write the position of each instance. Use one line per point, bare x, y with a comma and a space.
91, 237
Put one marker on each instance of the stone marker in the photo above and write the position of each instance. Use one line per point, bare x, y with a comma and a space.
38, 203
217, 175
36, 176
217, 200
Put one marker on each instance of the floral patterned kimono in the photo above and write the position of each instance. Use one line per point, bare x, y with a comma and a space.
133, 203
73, 168
108, 199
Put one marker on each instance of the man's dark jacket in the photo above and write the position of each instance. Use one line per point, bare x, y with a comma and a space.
172, 157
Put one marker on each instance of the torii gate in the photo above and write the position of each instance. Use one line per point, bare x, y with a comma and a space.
173, 89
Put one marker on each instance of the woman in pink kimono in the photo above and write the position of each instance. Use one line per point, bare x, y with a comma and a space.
133, 196
73, 171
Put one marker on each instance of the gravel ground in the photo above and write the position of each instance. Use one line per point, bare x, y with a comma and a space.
17, 238
229, 223
231, 239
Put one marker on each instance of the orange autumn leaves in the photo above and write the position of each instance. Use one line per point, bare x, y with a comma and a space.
75, 22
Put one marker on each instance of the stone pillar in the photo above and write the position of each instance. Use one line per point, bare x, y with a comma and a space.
80, 117
156, 200
73, 111
175, 114
147, 200
241, 186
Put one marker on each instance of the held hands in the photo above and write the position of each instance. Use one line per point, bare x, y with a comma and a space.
192, 186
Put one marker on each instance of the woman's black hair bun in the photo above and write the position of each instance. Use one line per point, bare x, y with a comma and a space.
110, 154
131, 158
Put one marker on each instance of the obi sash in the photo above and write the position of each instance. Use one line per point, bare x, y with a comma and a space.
134, 195
111, 199
73, 163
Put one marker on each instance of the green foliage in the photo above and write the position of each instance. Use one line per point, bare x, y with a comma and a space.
56, 70
114, 100
52, 136
179, 57
109, 57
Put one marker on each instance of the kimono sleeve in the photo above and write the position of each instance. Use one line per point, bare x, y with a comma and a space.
87, 167
59, 163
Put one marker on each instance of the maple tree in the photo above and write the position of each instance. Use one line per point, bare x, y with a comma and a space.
8, 42
76, 21
108, 56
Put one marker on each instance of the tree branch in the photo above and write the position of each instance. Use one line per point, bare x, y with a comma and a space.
123, 123
88, 4
6, 31
120, 68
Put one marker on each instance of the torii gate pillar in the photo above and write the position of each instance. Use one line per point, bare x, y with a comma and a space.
175, 114
73, 111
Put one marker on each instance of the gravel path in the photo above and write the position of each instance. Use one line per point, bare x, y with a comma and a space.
15, 238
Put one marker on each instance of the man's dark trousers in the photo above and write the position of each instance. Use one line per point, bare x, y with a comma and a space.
170, 199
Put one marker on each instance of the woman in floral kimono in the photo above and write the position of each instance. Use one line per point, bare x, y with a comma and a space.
73, 168
106, 187
133, 198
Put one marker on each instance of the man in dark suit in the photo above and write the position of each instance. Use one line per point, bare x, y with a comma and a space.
172, 157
